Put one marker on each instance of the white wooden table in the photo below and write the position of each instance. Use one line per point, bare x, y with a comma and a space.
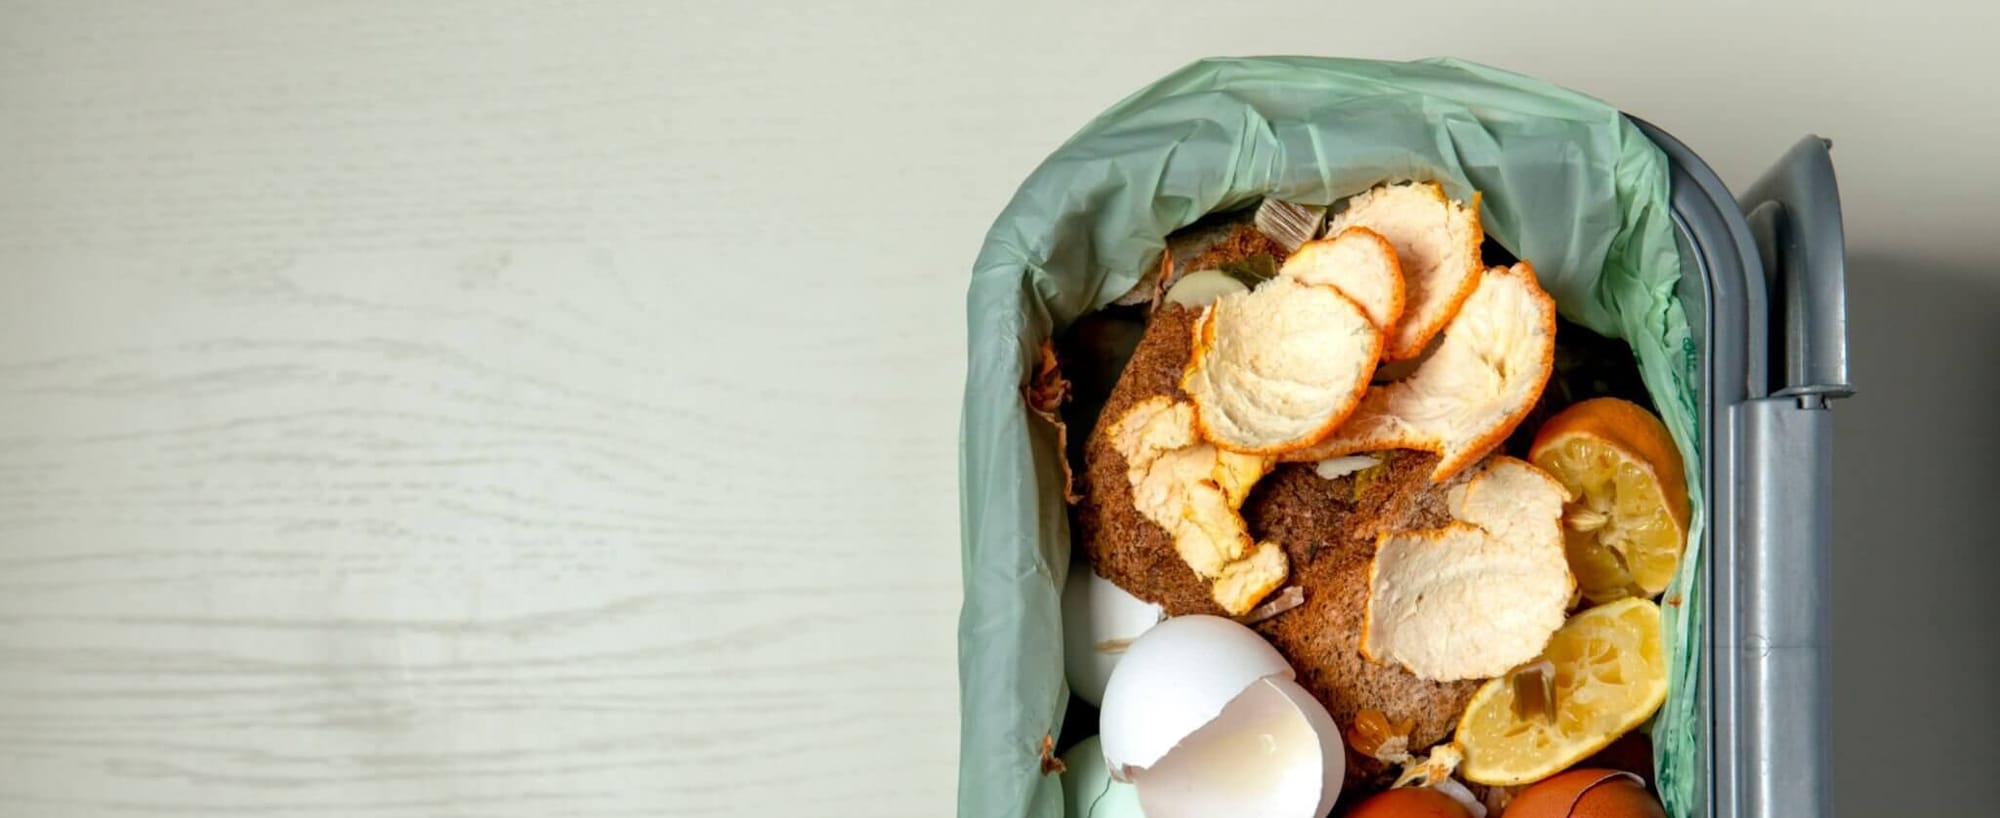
531, 409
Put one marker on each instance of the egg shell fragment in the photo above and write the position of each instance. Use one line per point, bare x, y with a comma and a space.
1274, 751
1587, 793
1099, 621
1204, 718
1176, 678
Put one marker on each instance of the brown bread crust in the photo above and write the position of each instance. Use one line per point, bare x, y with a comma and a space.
1329, 533
1327, 528
1123, 545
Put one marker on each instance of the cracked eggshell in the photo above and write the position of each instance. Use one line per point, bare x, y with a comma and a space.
1274, 751
1174, 679
1203, 717
1099, 622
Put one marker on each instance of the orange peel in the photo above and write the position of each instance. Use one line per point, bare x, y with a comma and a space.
1437, 241
1279, 367
1361, 265
1480, 383
1480, 595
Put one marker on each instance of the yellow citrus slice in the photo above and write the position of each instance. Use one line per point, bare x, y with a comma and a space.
1607, 672
1627, 519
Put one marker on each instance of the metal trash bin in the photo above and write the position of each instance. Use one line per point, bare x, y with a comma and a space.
1762, 284
1770, 318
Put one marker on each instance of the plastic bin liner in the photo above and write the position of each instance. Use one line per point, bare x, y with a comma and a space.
1568, 182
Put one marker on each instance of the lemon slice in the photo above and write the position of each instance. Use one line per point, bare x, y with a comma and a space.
1627, 521
1609, 675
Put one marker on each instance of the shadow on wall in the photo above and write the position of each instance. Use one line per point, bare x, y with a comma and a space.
1916, 546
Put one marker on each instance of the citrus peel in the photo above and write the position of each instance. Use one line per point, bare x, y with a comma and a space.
1481, 381
1480, 595
1278, 367
1437, 241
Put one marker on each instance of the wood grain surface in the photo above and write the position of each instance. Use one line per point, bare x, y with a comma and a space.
483, 529
526, 408
398, 418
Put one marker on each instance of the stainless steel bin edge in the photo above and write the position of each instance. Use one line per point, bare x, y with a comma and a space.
1767, 444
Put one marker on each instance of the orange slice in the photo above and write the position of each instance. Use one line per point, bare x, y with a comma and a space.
1627, 522
1609, 675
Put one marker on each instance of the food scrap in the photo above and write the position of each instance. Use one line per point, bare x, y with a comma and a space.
1481, 381
1283, 601
1478, 596
1203, 286
1232, 243
1331, 412
1100, 620
1437, 241
1289, 224
1628, 516
1279, 367
1361, 265
1045, 393
1204, 718
1431, 770
1195, 490
1610, 675
1374, 736
1051, 765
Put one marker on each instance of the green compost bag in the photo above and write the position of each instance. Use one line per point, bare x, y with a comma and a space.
1568, 183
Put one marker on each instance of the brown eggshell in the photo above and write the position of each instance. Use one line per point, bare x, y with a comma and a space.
1410, 802
1587, 794
1632, 752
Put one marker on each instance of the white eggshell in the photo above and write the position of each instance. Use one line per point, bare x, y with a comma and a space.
1326, 732
1099, 618
1174, 679
1088, 789
1274, 752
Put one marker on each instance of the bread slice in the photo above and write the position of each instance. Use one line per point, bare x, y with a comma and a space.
1326, 529
1462, 401
1437, 241
1329, 528
1361, 265
1480, 595
1123, 545
1277, 368
1152, 485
